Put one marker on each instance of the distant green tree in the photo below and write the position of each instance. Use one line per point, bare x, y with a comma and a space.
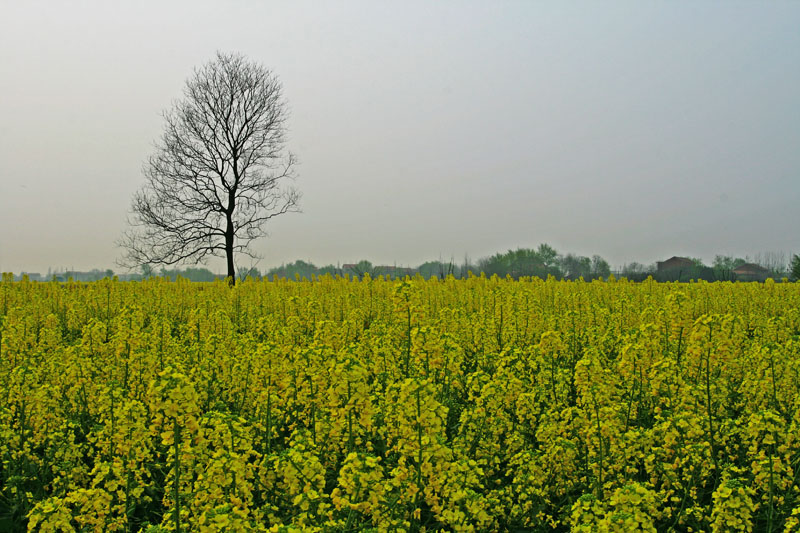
526, 262
523, 262
636, 271
723, 266
440, 269
496, 264
190, 273
365, 267
331, 269
600, 267
298, 270
547, 255
147, 271
727, 262
242, 273
633, 268
576, 266
796, 267
197, 274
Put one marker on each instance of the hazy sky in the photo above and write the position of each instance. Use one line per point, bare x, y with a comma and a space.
634, 130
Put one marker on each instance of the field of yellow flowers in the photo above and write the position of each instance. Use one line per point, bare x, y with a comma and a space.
387, 405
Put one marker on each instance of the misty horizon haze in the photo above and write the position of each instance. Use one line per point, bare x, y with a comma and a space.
632, 131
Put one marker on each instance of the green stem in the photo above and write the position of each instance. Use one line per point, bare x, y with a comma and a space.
599, 447
176, 486
709, 408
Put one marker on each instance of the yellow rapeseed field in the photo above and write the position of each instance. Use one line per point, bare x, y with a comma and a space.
388, 405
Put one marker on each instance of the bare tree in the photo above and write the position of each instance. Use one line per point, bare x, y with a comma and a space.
219, 172
776, 262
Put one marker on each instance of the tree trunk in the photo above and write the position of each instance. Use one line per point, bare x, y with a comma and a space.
229, 228
229, 252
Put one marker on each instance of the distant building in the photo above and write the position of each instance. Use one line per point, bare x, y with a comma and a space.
395, 272
751, 272
673, 263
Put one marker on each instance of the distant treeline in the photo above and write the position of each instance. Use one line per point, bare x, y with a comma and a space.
541, 262
545, 261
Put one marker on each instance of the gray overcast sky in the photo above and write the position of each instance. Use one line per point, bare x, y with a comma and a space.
635, 130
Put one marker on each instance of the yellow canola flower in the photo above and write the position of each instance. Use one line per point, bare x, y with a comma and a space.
479, 404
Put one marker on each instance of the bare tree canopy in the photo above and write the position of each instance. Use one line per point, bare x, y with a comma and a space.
219, 172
